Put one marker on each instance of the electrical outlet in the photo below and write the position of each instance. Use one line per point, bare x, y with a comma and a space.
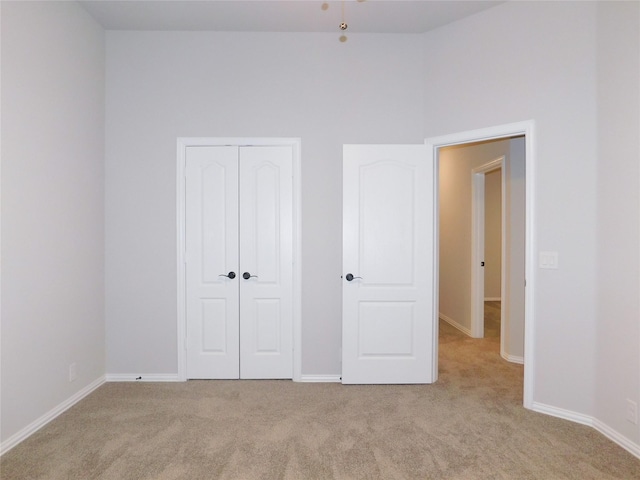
73, 373
632, 412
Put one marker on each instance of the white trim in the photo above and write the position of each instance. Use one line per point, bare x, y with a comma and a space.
435, 259
478, 246
492, 299
321, 378
604, 429
297, 259
526, 128
33, 427
512, 358
142, 377
455, 324
182, 144
181, 258
616, 437
562, 413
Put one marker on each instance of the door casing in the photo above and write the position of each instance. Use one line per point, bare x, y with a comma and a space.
526, 128
182, 144
478, 249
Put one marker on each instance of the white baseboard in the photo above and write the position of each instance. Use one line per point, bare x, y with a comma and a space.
512, 358
599, 426
562, 413
171, 377
142, 377
321, 378
631, 447
492, 299
455, 324
33, 427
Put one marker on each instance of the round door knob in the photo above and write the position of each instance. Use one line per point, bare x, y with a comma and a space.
247, 276
230, 275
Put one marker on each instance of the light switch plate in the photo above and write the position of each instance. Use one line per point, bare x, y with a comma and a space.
549, 260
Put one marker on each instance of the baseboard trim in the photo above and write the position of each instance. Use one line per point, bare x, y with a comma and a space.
33, 427
631, 447
321, 378
512, 358
562, 413
616, 437
142, 377
492, 299
455, 324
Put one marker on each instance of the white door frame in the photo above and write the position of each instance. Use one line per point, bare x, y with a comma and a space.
478, 247
526, 128
182, 144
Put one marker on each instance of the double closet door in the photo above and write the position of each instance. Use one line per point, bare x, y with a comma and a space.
239, 262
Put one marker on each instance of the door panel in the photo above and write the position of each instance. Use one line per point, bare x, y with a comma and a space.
267, 326
388, 318
214, 326
211, 251
266, 253
387, 214
386, 329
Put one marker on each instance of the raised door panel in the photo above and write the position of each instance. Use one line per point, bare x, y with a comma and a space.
387, 214
212, 299
266, 257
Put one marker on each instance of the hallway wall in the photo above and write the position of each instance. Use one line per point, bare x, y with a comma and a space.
456, 165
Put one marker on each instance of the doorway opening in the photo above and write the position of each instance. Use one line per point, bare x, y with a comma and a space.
456, 254
488, 257
488, 244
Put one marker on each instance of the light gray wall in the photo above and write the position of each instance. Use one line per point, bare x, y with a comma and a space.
492, 234
52, 207
161, 86
536, 60
618, 212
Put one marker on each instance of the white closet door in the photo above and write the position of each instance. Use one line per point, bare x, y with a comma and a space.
211, 252
388, 315
266, 259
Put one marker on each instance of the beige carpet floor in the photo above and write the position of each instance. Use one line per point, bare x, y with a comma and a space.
468, 425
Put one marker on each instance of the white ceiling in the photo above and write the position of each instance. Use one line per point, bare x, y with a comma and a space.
371, 16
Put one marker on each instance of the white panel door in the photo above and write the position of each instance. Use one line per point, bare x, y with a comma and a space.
266, 262
239, 262
388, 245
212, 299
